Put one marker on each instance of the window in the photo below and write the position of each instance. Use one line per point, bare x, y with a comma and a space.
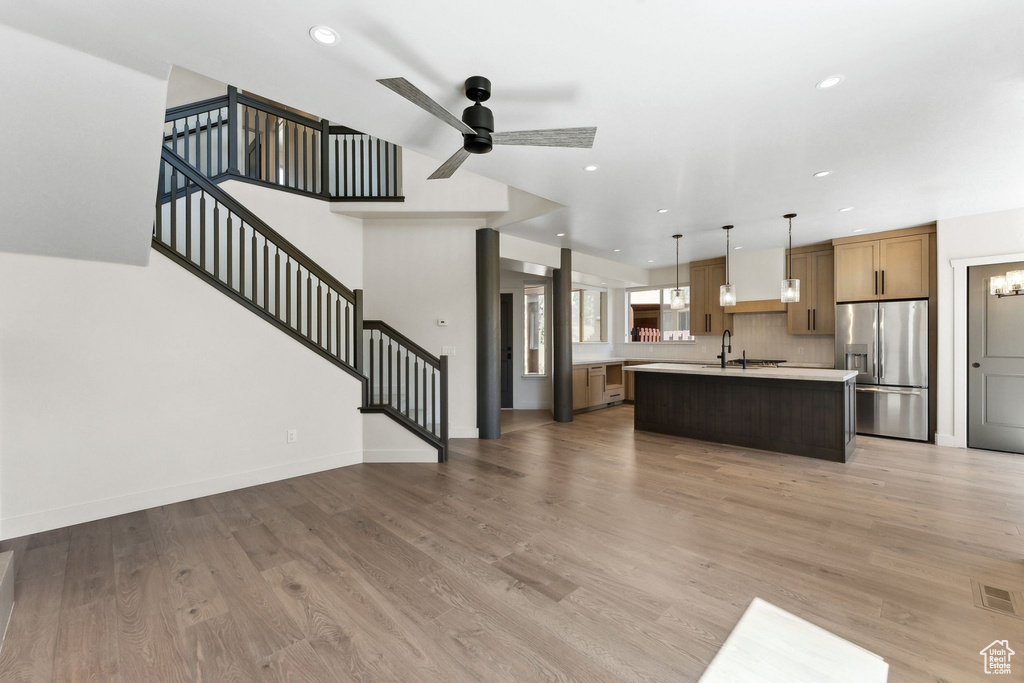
535, 346
651, 319
588, 315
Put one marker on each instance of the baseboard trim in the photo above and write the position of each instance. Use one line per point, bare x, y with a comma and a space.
945, 440
400, 455
46, 520
463, 432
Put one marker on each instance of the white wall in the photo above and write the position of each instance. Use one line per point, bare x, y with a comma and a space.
417, 271
129, 387
81, 152
528, 392
757, 273
997, 235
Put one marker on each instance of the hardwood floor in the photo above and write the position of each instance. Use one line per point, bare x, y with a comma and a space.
514, 420
579, 551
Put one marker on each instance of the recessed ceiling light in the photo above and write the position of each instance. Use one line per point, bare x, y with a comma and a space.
616, 250
325, 35
859, 230
560, 234
662, 210
604, 283
650, 260
830, 82
736, 248
846, 208
591, 167
822, 174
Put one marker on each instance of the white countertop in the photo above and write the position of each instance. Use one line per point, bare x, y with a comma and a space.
811, 374
686, 361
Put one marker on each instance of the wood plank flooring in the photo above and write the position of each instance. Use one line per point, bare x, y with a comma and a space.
565, 552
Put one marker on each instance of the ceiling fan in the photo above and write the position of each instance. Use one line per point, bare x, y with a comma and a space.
477, 124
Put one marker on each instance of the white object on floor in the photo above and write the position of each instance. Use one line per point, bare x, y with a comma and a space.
771, 645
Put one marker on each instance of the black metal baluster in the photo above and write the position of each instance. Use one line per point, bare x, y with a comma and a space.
245, 137
241, 258
391, 374
209, 143
277, 151
407, 397
330, 331
370, 374
158, 228
344, 167
319, 315
298, 297
216, 239
230, 254
202, 229
337, 321
174, 209
255, 268
288, 289
379, 166
362, 166
387, 169
433, 402
314, 140
266, 152
266, 275
309, 304
416, 387
295, 143
188, 220
277, 282
337, 169
220, 141
380, 360
185, 128
287, 156
425, 403
174, 136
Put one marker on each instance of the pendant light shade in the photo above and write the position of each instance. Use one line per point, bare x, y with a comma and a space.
790, 286
677, 300
727, 293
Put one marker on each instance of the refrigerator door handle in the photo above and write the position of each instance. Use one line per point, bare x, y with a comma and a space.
874, 356
888, 390
881, 339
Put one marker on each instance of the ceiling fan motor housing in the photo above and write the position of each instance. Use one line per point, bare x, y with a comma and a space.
477, 116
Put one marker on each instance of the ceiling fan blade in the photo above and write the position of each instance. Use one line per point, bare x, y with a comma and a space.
422, 100
451, 166
552, 137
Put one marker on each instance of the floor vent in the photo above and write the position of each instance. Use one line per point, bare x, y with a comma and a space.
998, 600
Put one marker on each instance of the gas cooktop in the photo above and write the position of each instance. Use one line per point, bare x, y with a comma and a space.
757, 362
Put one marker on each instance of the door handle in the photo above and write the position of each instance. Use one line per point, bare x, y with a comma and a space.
975, 365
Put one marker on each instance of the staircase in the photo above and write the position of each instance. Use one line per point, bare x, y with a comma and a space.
209, 233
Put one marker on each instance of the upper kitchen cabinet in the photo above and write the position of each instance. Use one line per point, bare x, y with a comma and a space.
815, 313
707, 316
883, 266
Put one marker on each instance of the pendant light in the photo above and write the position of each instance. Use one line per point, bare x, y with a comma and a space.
727, 293
790, 286
677, 300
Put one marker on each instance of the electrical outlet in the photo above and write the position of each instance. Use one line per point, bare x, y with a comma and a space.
447, 350
293, 435
799, 350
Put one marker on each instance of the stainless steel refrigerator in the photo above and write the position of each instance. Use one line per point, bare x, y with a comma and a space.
887, 344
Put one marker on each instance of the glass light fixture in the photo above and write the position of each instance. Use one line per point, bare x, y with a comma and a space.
727, 293
790, 286
677, 299
1011, 284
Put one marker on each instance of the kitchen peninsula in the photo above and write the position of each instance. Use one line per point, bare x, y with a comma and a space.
803, 411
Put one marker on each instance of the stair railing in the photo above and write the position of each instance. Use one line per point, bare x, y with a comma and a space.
240, 137
207, 231
408, 382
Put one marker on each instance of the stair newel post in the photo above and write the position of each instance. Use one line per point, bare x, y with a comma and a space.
232, 130
325, 158
443, 398
357, 330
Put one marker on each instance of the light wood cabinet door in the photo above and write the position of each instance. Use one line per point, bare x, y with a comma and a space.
856, 271
720, 320
580, 395
596, 386
903, 262
699, 300
798, 314
823, 316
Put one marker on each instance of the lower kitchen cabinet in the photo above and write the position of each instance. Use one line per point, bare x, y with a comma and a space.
597, 385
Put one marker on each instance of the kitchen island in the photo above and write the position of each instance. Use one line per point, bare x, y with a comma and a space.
803, 411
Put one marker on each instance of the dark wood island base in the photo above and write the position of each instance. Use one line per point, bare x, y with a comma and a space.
816, 419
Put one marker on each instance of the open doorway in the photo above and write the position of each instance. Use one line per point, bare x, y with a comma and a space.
507, 363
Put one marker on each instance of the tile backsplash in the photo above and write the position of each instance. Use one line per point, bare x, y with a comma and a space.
761, 335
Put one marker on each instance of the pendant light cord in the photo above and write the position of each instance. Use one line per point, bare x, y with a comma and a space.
677, 264
727, 257
789, 275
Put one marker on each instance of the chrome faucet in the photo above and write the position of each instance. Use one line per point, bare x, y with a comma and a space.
725, 348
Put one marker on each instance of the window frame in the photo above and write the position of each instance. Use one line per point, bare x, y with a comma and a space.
663, 307
545, 285
604, 313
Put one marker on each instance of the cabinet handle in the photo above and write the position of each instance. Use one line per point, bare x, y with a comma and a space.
708, 329
808, 318
814, 319
876, 282
588, 377
883, 282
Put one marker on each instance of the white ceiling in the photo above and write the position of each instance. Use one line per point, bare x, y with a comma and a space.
708, 109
